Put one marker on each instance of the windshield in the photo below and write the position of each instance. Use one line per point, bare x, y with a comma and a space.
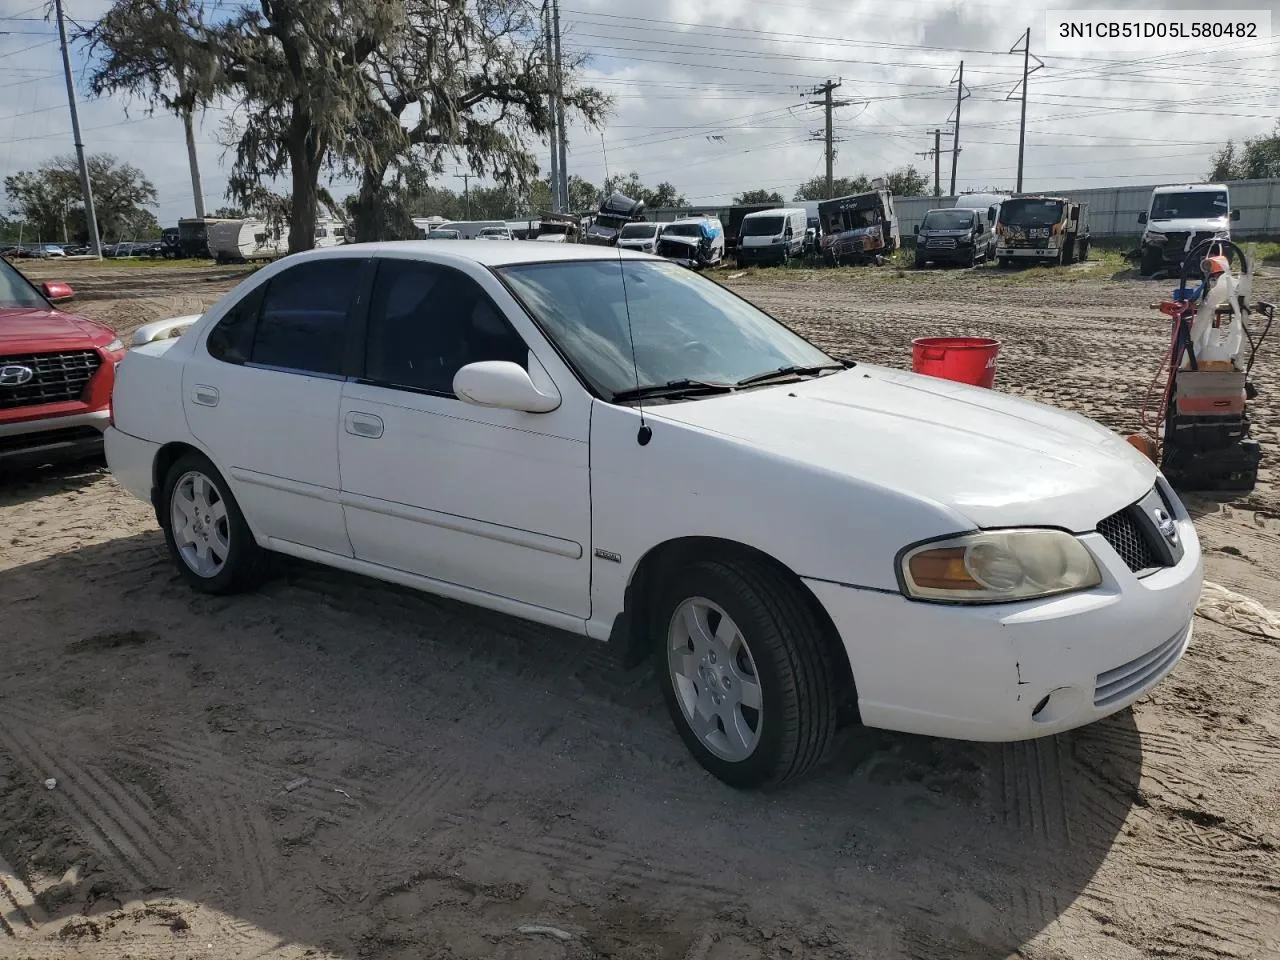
1197, 205
639, 231
947, 220
683, 230
685, 326
16, 292
761, 226
1031, 213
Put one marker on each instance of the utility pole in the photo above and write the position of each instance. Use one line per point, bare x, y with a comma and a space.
936, 153
563, 143
1027, 70
554, 138
829, 105
95, 245
962, 94
466, 193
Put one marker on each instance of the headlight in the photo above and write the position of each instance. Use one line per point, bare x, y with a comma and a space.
1155, 239
997, 567
115, 346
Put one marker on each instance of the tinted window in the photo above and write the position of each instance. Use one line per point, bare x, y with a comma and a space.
639, 231
232, 339
761, 226
303, 320
948, 220
16, 292
427, 321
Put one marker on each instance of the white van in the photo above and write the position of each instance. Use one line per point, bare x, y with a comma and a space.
1180, 217
640, 236
694, 242
772, 236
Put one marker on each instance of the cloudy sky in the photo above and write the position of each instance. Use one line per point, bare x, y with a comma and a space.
715, 97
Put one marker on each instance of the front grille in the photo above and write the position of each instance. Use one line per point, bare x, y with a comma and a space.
58, 377
941, 243
1130, 679
1121, 530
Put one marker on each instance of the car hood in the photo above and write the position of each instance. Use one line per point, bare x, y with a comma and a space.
945, 233
994, 459
1185, 224
29, 325
677, 238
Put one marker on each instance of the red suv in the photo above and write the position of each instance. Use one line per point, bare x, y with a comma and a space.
56, 374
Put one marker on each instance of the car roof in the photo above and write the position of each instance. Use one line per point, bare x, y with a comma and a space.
1192, 188
489, 253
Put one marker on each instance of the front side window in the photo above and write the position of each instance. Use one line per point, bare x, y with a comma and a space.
16, 292
685, 326
302, 325
426, 322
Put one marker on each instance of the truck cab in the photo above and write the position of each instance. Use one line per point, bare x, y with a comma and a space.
1040, 229
858, 228
1178, 218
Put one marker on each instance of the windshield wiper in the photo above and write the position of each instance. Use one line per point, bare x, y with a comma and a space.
683, 387
795, 371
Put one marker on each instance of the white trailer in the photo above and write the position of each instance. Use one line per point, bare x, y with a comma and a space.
241, 241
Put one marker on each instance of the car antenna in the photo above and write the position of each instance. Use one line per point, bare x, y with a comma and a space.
645, 434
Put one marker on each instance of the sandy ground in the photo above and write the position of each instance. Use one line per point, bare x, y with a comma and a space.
335, 768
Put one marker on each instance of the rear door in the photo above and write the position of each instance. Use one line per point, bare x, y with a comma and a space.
262, 395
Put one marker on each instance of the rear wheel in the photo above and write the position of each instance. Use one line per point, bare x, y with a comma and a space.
205, 531
746, 672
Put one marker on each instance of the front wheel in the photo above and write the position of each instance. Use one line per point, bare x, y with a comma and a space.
208, 539
746, 672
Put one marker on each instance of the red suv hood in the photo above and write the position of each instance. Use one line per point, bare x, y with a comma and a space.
27, 326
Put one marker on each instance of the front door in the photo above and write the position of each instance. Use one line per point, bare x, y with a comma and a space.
262, 395
494, 500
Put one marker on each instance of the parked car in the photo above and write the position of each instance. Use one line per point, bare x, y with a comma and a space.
56, 374
640, 236
595, 439
954, 235
52, 249
494, 233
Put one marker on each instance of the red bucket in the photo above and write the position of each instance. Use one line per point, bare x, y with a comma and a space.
963, 359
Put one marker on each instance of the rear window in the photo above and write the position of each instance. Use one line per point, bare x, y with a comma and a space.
762, 226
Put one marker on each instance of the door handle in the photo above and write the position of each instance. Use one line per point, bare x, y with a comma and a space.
205, 396
364, 425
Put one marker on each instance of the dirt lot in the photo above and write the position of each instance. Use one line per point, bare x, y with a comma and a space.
337, 768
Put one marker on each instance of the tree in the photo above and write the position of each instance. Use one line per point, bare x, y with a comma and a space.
478, 76
322, 87
1258, 159
758, 196
663, 195
908, 182
584, 196
50, 201
816, 189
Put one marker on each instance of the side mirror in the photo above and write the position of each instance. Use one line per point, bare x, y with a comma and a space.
981, 227
502, 384
991, 214
1142, 218
917, 228
1235, 214
164, 329
57, 292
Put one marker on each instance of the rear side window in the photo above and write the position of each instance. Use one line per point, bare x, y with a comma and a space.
302, 324
231, 341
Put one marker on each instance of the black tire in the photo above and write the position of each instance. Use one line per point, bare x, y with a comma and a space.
1084, 251
794, 666
1151, 261
244, 564
921, 263
973, 258
1006, 263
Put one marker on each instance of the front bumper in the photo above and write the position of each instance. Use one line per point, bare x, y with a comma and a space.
770, 254
957, 254
980, 672
1028, 253
57, 439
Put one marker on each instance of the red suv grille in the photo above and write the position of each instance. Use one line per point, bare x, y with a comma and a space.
55, 377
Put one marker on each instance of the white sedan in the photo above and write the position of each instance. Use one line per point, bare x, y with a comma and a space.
601, 441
